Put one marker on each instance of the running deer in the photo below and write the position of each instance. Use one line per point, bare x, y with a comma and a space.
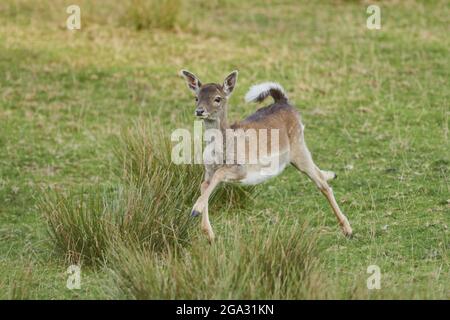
211, 106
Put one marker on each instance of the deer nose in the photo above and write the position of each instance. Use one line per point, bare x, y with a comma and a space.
199, 112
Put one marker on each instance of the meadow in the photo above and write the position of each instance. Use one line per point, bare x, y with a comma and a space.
85, 170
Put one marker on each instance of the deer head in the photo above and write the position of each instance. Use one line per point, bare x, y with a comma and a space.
211, 98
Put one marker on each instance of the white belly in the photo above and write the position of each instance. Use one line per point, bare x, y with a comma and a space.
260, 173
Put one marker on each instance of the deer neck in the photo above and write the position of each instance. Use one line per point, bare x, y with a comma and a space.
219, 123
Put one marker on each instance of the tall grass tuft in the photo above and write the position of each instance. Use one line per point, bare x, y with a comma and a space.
269, 262
18, 285
149, 208
136, 14
149, 14
79, 223
145, 161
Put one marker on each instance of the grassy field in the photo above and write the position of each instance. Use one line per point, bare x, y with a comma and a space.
73, 105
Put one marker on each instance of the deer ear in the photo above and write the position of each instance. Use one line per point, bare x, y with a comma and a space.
230, 82
192, 81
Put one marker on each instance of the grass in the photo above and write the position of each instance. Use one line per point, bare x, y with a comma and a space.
246, 264
150, 14
150, 207
375, 106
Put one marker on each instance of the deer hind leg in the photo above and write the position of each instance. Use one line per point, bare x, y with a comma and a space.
301, 158
328, 175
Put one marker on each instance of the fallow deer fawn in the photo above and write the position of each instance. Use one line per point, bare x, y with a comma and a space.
211, 106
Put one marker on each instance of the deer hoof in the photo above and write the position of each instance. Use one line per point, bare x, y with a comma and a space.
195, 213
348, 232
210, 236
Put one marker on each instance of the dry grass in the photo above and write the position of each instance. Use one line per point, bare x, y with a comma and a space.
150, 14
138, 14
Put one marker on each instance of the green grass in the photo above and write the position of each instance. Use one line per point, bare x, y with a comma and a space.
376, 109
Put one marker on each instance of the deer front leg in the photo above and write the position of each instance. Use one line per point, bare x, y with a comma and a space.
202, 201
201, 205
206, 225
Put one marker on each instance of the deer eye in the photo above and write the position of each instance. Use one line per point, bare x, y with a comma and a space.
196, 99
217, 99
